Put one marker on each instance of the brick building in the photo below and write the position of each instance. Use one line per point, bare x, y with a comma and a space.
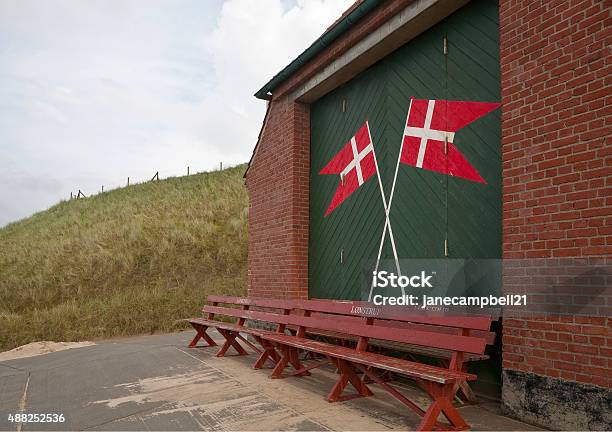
548, 167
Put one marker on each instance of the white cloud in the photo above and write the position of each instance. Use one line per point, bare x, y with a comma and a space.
91, 92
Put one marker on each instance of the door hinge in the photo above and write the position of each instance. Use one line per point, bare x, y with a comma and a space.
445, 45
445, 247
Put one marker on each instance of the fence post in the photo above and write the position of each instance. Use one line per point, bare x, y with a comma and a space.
71, 195
102, 188
128, 181
220, 166
156, 176
187, 170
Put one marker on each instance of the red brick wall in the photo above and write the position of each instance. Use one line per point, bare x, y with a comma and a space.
278, 185
557, 169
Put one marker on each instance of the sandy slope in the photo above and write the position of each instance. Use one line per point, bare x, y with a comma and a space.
39, 348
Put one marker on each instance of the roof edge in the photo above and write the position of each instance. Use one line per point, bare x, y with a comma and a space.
326, 39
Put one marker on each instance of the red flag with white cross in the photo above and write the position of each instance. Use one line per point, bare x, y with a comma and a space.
355, 163
430, 132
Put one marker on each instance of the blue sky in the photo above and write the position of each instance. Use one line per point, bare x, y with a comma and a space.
92, 92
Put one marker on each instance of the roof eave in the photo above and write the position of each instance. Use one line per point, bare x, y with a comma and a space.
333, 33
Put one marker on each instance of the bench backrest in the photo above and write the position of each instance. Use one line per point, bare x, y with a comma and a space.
489, 336
460, 341
361, 309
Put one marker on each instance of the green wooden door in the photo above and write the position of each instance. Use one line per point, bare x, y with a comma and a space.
428, 207
340, 241
474, 224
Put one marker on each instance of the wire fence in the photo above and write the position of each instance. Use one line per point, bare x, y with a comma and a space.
131, 181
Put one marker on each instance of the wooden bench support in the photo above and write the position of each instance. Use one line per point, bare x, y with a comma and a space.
383, 375
230, 340
442, 396
289, 356
469, 397
392, 391
306, 368
246, 341
464, 393
281, 364
268, 353
347, 374
201, 334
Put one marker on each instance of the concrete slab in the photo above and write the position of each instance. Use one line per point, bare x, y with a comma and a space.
156, 383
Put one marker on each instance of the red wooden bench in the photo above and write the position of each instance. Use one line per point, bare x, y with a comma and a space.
410, 351
440, 383
231, 331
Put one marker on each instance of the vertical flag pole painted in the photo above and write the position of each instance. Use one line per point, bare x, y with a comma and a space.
387, 222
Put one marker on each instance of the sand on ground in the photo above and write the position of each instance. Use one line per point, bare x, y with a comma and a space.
40, 348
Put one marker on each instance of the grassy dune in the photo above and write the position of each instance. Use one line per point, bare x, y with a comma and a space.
125, 262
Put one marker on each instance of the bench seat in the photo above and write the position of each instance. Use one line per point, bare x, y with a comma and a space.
401, 366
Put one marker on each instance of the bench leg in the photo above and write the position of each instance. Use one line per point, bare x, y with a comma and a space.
384, 375
468, 393
294, 360
347, 374
289, 356
268, 353
201, 334
282, 363
465, 393
248, 343
442, 396
230, 340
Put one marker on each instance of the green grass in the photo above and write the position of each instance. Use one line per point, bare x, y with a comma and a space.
128, 261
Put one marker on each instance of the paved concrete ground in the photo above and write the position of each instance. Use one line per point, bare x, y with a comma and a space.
156, 383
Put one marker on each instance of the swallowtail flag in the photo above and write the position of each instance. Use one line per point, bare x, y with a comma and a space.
429, 135
355, 163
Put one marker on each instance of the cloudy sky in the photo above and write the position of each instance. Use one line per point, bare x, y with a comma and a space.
92, 92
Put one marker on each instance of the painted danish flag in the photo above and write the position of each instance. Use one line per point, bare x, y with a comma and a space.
355, 163
430, 131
